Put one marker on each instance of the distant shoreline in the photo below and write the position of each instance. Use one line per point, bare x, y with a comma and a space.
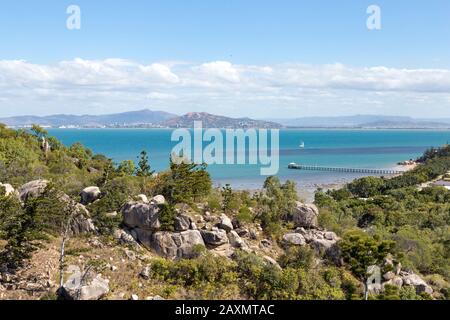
284, 128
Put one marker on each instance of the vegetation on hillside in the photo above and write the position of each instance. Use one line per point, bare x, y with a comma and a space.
373, 216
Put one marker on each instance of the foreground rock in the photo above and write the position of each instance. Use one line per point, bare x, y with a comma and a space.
214, 237
294, 239
81, 221
32, 189
159, 199
323, 242
182, 222
236, 241
90, 194
141, 215
172, 245
84, 287
411, 279
9, 190
125, 237
225, 223
305, 215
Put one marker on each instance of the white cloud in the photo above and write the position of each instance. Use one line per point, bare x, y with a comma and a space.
223, 70
260, 91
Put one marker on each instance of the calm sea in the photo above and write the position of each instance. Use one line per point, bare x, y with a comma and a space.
343, 148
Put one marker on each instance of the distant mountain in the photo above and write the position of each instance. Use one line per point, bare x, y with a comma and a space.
141, 118
132, 118
214, 121
364, 121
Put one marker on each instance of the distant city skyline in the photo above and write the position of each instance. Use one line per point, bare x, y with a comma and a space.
259, 59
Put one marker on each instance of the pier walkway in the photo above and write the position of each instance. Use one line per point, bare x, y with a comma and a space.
338, 169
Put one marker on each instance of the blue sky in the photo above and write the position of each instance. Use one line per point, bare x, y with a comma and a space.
228, 43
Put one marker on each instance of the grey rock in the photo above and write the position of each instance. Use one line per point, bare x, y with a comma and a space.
374, 288
32, 189
225, 223
322, 245
236, 241
90, 194
126, 237
9, 190
145, 273
182, 222
305, 215
81, 222
142, 197
388, 275
173, 245
159, 199
272, 262
411, 279
111, 214
242, 232
141, 215
85, 287
395, 281
330, 235
214, 237
294, 239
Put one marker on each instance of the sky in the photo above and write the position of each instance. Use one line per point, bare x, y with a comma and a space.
262, 59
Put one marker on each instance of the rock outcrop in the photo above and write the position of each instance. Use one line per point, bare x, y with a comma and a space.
32, 189
125, 237
90, 194
412, 279
182, 222
172, 245
143, 198
9, 190
141, 215
214, 237
82, 286
82, 223
294, 239
305, 215
225, 223
236, 241
159, 199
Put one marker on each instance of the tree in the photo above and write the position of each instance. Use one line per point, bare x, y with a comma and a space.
126, 168
186, 182
144, 169
275, 203
366, 187
81, 154
361, 251
38, 131
229, 202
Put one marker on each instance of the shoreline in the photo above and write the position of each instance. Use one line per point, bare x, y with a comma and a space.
306, 193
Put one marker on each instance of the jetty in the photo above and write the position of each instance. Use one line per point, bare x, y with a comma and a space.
342, 169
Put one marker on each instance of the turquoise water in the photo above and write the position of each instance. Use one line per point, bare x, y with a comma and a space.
344, 148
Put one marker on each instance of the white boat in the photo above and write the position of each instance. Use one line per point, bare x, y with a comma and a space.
302, 145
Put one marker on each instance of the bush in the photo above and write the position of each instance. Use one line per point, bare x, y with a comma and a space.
298, 257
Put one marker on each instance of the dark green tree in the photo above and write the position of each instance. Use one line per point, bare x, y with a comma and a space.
144, 169
360, 251
186, 182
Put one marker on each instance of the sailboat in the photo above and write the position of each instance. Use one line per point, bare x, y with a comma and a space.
302, 145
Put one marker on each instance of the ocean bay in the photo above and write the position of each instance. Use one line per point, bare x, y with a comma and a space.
328, 147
